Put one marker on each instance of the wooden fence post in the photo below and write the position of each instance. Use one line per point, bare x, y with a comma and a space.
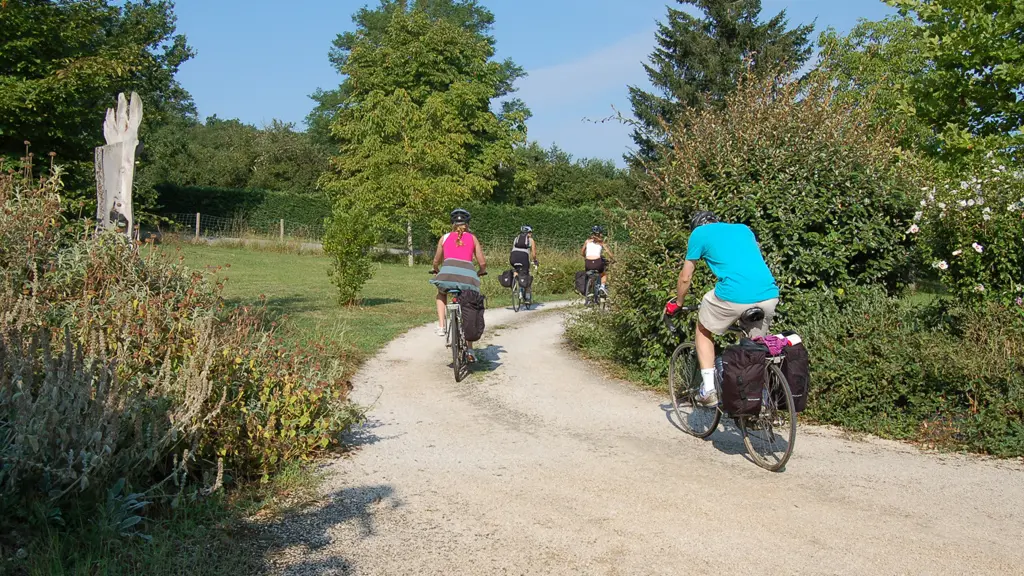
282, 230
197, 226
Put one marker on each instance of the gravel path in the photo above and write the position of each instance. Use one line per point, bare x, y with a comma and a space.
539, 464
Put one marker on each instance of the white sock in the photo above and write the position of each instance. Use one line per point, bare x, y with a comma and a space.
708, 386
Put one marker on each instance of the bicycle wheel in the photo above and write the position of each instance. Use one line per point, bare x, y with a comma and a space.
458, 353
770, 435
684, 382
517, 295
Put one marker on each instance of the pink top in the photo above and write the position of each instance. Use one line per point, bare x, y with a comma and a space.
453, 250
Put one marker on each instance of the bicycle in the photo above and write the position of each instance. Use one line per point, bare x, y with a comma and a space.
520, 297
594, 294
455, 337
776, 420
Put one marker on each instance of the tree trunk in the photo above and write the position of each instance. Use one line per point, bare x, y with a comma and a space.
115, 166
408, 242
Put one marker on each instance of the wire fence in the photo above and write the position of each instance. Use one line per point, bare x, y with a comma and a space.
199, 225
206, 226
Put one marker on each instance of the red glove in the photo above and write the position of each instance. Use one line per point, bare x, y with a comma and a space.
671, 308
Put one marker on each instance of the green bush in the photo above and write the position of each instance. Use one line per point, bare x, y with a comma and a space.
947, 376
116, 368
347, 242
972, 231
554, 276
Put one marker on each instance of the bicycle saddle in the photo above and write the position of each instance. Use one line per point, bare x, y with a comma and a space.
752, 316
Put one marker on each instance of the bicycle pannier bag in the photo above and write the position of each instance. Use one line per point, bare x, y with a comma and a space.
743, 378
472, 305
797, 370
505, 279
525, 279
581, 281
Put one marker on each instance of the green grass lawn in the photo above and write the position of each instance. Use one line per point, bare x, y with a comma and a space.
299, 292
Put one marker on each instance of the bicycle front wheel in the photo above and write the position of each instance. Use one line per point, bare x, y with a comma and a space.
771, 434
684, 381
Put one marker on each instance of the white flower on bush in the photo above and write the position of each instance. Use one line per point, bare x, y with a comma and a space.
914, 229
942, 205
986, 214
979, 288
965, 185
980, 201
941, 265
957, 252
1020, 301
918, 216
963, 203
978, 248
924, 203
970, 202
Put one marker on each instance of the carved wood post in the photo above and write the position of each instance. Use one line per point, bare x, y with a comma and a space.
115, 165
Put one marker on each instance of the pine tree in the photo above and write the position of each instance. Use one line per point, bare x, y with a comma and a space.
698, 61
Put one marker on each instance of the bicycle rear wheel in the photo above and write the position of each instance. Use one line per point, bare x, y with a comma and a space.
770, 435
684, 381
517, 300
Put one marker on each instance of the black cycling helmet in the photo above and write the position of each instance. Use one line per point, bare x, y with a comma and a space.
526, 229
599, 230
459, 216
701, 218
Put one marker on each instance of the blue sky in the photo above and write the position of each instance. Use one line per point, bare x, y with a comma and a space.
260, 59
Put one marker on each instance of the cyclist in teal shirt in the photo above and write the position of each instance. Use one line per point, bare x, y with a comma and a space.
744, 282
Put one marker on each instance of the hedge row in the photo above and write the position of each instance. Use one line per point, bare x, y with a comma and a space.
307, 210
491, 222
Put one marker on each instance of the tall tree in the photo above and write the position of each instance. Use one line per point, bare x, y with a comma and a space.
62, 64
973, 93
371, 27
416, 133
699, 60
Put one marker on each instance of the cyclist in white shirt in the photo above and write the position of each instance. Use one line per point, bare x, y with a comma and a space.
596, 254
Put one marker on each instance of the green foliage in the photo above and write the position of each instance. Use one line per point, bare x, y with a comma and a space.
888, 366
135, 368
553, 226
62, 65
971, 228
230, 154
553, 177
699, 60
878, 62
371, 27
970, 95
347, 242
554, 276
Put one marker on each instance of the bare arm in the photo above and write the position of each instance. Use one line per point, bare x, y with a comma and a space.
438, 253
610, 255
480, 261
685, 279
583, 251
533, 248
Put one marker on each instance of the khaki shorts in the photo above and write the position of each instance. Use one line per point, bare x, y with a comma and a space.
717, 315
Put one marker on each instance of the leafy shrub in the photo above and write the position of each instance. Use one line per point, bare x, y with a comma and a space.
115, 366
889, 366
972, 231
348, 242
555, 276
827, 192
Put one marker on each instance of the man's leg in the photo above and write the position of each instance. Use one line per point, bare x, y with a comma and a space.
705, 345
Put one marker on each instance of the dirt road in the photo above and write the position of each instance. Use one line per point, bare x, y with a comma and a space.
539, 464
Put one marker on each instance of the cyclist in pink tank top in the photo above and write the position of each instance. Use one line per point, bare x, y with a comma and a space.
453, 265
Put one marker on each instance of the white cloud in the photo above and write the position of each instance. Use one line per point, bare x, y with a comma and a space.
566, 99
610, 68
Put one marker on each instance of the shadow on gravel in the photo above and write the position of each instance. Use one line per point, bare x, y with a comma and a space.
286, 543
727, 439
488, 359
365, 434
